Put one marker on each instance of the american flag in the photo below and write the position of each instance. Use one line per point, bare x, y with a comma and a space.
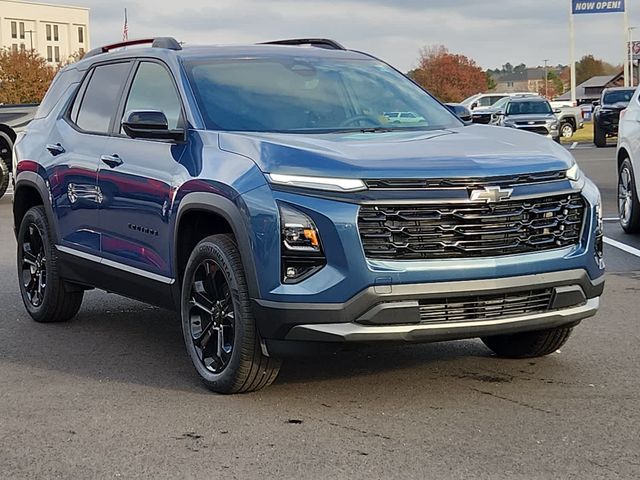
125, 31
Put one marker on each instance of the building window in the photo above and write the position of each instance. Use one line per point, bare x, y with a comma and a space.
14, 48
80, 35
48, 33
21, 30
81, 52
14, 30
22, 47
57, 50
49, 53
56, 37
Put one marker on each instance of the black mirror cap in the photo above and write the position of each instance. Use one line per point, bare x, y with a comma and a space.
151, 125
460, 111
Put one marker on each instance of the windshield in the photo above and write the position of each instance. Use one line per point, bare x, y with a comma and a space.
529, 108
296, 95
617, 96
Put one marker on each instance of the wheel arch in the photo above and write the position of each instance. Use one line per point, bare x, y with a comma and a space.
8, 137
30, 191
228, 218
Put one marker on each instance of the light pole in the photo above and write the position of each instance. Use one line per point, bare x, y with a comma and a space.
546, 79
632, 82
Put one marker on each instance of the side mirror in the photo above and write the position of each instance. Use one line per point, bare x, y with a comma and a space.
474, 105
151, 125
557, 110
596, 103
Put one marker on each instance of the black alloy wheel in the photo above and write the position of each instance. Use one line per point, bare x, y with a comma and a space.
211, 317
34, 265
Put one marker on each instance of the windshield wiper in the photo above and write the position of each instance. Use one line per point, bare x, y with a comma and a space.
375, 130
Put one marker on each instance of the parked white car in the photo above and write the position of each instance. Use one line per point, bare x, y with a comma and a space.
628, 161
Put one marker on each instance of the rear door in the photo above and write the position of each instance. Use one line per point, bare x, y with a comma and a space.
76, 144
138, 186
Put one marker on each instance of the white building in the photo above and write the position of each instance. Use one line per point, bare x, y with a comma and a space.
56, 32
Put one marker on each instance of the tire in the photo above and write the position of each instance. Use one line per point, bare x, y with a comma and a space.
4, 177
216, 309
46, 296
599, 137
528, 344
566, 130
628, 204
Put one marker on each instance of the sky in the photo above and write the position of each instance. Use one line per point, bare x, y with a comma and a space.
492, 32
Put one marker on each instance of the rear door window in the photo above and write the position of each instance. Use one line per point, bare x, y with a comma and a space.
101, 98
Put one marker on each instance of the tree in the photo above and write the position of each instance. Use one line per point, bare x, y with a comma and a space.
24, 76
554, 86
448, 76
589, 66
491, 83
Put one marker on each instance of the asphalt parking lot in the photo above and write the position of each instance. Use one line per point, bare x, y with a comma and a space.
112, 394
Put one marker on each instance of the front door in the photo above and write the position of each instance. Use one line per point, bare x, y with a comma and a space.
137, 179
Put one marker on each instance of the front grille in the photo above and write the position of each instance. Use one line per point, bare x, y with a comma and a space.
433, 231
485, 307
538, 130
468, 182
535, 122
482, 119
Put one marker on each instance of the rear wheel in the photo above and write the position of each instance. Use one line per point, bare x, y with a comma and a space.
628, 205
599, 137
217, 322
528, 344
46, 296
4, 175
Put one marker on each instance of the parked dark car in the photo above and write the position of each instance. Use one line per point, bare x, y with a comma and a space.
13, 119
261, 193
462, 112
606, 115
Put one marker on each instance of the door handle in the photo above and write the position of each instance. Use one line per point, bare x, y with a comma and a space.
55, 149
112, 160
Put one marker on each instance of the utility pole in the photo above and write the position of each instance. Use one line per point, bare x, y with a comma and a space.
546, 79
631, 52
572, 54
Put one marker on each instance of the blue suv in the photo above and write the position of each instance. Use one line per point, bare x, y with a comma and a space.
262, 192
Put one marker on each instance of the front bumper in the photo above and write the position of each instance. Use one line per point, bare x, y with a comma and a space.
544, 130
392, 313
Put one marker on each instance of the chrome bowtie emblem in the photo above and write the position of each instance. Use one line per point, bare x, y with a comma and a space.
491, 194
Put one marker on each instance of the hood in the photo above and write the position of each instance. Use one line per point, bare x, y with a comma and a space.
616, 106
475, 150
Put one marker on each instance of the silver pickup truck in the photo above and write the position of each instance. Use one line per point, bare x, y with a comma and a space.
13, 119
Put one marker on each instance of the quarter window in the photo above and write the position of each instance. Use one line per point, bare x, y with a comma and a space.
100, 98
153, 89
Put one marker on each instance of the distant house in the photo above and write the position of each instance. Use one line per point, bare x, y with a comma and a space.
591, 90
526, 80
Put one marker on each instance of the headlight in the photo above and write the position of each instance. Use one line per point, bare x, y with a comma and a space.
574, 173
509, 124
302, 254
319, 183
553, 125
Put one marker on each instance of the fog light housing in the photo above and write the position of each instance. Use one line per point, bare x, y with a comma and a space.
302, 254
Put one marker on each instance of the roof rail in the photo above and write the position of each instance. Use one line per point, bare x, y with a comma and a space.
159, 42
313, 42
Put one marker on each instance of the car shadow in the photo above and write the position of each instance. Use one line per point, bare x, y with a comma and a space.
118, 340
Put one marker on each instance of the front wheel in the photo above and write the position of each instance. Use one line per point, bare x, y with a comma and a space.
628, 204
528, 344
217, 322
599, 137
566, 130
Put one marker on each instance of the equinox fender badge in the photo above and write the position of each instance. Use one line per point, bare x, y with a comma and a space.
491, 194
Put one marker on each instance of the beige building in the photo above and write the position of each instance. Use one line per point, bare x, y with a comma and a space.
56, 32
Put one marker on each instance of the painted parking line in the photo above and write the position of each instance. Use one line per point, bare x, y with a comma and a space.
622, 246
